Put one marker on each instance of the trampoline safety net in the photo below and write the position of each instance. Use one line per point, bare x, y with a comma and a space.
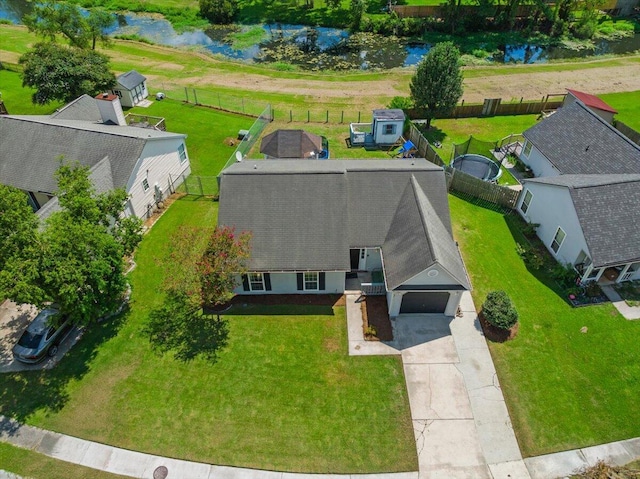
474, 146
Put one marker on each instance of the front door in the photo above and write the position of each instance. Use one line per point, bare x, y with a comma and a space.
354, 255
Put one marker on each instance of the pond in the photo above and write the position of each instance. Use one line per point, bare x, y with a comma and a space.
318, 48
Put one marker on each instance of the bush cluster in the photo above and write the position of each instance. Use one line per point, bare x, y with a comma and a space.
499, 311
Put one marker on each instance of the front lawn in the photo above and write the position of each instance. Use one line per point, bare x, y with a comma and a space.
283, 395
564, 388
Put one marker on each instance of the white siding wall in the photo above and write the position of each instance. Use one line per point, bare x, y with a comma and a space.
125, 96
380, 137
159, 159
423, 278
539, 163
286, 283
551, 206
372, 260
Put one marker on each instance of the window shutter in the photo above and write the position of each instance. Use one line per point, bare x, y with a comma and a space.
321, 286
245, 282
267, 281
300, 278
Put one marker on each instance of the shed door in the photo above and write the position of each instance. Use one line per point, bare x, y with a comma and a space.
426, 302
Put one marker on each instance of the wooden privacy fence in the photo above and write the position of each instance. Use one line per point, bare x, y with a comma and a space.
461, 182
495, 107
627, 131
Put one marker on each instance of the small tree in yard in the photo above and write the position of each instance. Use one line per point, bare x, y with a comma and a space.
436, 86
221, 262
499, 311
218, 11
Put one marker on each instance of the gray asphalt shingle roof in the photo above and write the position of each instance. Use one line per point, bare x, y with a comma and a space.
577, 141
306, 215
291, 144
418, 239
82, 108
36, 143
130, 80
608, 209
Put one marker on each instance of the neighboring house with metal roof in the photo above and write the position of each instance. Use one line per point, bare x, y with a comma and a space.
591, 222
131, 88
595, 104
576, 141
146, 162
315, 222
293, 144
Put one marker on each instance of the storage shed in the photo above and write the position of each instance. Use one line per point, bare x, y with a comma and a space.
131, 88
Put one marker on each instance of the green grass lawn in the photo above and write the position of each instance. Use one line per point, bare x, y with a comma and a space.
628, 106
206, 128
564, 388
17, 99
283, 395
29, 464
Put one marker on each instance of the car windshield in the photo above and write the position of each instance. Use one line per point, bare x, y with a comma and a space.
30, 340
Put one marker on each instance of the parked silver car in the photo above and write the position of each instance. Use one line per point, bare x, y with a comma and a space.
43, 336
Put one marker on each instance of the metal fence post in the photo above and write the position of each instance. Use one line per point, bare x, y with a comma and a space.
195, 97
219, 103
186, 185
342, 117
327, 117
308, 117
290, 116
186, 93
200, 184
242, 104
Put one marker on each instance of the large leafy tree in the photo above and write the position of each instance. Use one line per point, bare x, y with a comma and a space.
218, 11
77, 261
18, 224
436, 86
60, 73
50, 18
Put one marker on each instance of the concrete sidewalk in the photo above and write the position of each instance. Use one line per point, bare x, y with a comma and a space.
629, 312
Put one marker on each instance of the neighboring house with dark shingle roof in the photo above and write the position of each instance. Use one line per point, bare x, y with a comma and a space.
576, 141
131, 88
313, 222
145, 162
587, 191
589, 221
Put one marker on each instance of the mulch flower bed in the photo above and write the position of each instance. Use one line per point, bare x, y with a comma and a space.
294, 299
497, 335
374, 313
584, 300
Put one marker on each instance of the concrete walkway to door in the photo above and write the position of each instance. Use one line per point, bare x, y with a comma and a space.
460, 420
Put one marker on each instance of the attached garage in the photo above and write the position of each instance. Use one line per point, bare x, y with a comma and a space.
424, 302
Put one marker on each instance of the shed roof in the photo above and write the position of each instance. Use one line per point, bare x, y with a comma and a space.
608, 212
577, 141
291, 144
592, 101
389, 114
130, 80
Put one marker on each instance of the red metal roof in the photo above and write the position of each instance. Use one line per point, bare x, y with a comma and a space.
592, 101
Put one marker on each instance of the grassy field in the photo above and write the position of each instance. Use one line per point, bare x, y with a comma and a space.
628, 106
564, 388
283, 395
29, 464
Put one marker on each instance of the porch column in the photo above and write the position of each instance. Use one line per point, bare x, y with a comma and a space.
600, 272
586, 273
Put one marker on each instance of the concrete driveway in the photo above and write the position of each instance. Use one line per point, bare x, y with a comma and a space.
13, 321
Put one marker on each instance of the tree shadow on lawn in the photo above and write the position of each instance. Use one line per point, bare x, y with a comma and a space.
25, 392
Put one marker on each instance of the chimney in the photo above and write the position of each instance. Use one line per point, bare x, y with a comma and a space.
110, 109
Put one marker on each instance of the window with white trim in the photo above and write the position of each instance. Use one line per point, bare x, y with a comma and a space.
558, 239
145, 184
526, 201
527, 148
389, 129
311, 282
182, 152
256, 282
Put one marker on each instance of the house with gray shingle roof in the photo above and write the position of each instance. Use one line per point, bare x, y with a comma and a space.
576, 141
131, 88
292, 144
145, 162
313, 223
588, 221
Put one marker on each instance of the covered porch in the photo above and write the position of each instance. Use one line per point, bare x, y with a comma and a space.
609, 274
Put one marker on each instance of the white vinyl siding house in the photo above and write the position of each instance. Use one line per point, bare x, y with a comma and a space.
161, 169
292, 283
553, 210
